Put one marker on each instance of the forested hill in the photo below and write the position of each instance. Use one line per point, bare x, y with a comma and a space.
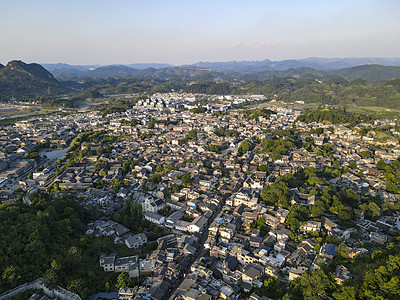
111, 71
368, 72
34, 70
335, 91
164, 73
21, 80
121, 72
332, 116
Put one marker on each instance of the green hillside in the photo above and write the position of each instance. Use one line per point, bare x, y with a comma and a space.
332, 116
368, 72
23, 81
334, 91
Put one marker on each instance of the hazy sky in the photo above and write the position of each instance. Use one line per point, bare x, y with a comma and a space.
188, 31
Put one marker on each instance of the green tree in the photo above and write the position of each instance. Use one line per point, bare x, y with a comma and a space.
392, 175
151, 123
318, 209
186, 179
343, 250
155, 178
101, 164
345, 293
262, 226
169, 168
316, 284
159, 168
263, 168
192, 134
366, 154
344, 214
353, 165
276, 194
53, 273
381, 165
271, 288
10, 275
124, 281
245, 146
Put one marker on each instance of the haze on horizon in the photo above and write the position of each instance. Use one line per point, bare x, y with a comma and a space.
184, 32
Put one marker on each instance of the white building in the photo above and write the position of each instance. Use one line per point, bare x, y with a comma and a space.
154, 217
136, 241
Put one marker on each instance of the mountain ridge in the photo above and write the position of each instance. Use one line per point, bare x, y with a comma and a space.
243, 67
30, 69
247, 66
18, 79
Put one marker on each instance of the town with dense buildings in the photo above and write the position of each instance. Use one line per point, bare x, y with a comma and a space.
238, 196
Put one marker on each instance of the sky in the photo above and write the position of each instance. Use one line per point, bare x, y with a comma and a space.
189, 31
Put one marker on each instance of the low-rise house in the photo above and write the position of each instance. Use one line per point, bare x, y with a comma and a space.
283, 234
108, 262
310, 226
297, 257
271, 270
282, 214
153, 205
120, 230
252, 272
328, 224
197, 224
122, 264
357, 252
245, 199
182, 225
328, 251
379, 238
341, 274
154, 217
272, 221
136, 241
255, 241
296, 272
171, 220
245, 257
226, 233
126, 293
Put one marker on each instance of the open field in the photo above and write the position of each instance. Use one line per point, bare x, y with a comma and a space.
379, 112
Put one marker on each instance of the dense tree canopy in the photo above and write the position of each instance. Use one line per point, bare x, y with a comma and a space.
46, 239
332, 116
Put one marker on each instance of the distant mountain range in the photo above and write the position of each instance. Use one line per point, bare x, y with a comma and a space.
314, 63
367, 72
122, 71
244, 67
139, 66
18, 79
164, 73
